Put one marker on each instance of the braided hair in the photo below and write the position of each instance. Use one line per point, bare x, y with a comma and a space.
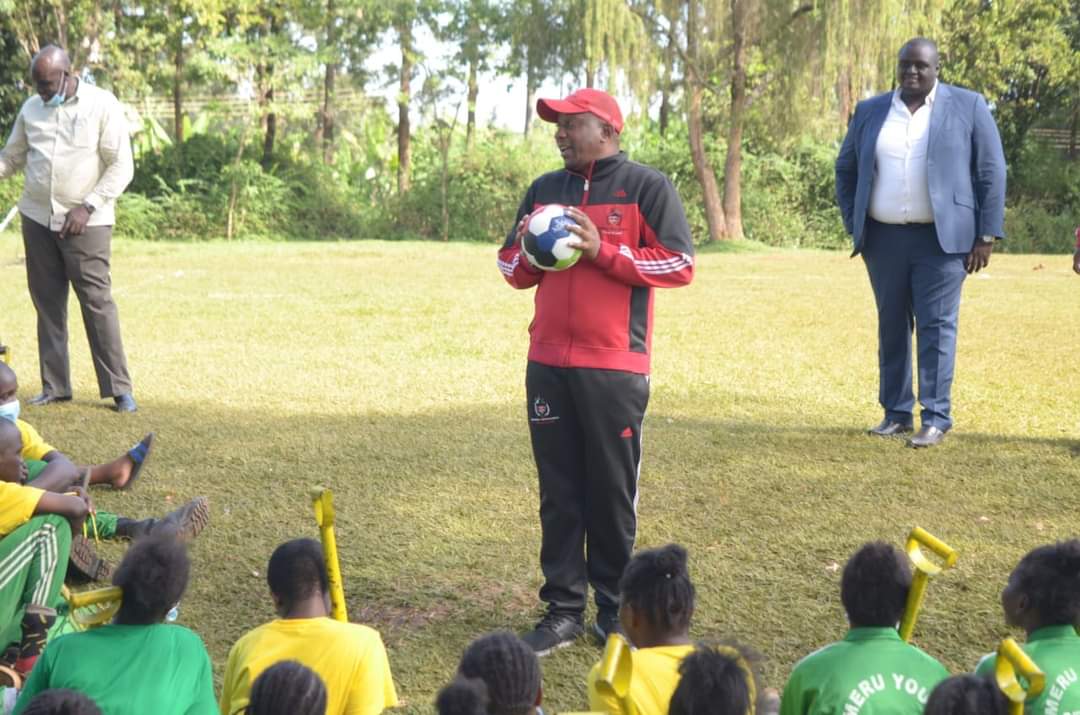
510, 671
463, 696
720, 680
61, 702
874, 586
966, 695
1050, 576
656, 583
287, 688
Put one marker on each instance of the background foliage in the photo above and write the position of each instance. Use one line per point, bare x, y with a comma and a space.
259, 119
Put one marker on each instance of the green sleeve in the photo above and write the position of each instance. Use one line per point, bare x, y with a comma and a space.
204, 702
36, 683
792, 701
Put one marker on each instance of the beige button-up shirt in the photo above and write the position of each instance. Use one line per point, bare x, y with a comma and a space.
79, 152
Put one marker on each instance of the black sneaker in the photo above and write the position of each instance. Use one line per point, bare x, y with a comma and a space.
85, 564
607, 622
554, 631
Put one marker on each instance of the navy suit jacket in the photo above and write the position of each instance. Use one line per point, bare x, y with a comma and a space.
965, 168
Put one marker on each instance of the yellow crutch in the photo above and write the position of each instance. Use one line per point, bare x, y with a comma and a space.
323, 501
1013, 662
90, 609
616, 671
5, 354
924, 569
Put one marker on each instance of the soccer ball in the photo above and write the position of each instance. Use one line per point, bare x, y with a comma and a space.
546, 238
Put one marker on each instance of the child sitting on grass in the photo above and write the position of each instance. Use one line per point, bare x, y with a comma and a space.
61, 702
287, 688
500, 671
656, 603
35, 539
138, 664
184, 523
872, 670
60, 473
350, 658
1042, 596
716, 681
967, 695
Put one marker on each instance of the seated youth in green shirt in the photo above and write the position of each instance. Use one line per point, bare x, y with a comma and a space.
1042, 597
137, 664
871, 671
967, 695
656, 603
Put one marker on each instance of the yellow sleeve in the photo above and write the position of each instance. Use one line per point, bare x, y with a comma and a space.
17, 505
230, 685
372, 688
599, 702
33, 446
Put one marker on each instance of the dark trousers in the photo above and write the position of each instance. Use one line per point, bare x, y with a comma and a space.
585, 427
83, 262
916, 286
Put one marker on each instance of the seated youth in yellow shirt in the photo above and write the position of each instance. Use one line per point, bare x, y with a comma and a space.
350, 658
60, 473
656, 603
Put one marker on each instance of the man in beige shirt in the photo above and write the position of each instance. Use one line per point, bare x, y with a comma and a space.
72, 142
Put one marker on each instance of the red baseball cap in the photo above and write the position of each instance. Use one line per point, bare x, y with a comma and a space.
593, 101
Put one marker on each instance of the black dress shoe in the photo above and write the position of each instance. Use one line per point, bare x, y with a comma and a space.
927, 436
125, 403
46, 399
889, 428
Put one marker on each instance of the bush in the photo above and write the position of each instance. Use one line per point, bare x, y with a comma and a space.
1033, 226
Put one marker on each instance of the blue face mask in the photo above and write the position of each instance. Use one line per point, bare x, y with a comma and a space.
57, 99
10, 411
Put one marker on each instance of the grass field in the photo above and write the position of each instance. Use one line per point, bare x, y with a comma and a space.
394, 373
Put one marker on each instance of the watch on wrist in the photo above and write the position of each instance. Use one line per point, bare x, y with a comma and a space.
89, 207
986, 239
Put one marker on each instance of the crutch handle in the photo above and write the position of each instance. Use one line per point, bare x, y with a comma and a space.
918, 539
1012, 662
616, 671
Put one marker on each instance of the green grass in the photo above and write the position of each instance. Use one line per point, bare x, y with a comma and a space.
393, 373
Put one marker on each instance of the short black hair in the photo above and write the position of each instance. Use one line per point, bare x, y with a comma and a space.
297, 571
153, 575
966, 695
719, 680
463, 696
875, 584
510, 671
1050, 577
921, 42
287, 688
61, 702
656, 583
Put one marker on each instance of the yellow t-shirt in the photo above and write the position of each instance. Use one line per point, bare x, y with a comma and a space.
350, 658
653, 680
33, 446
17, 504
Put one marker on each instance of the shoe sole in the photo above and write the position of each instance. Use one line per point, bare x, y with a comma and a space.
558, 646
195, 520
84, 558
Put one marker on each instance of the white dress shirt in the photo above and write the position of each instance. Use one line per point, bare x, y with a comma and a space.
900, 192
79, 152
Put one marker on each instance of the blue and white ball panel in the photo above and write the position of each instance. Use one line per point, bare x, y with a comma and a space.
546, 238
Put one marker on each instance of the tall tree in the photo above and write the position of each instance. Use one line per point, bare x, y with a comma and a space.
695, 91
476, 27
536, 45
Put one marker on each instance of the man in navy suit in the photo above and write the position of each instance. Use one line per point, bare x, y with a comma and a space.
920, 181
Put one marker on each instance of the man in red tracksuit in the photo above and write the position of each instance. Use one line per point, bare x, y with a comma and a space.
587, 379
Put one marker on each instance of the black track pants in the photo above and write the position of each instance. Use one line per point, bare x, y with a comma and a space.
585, 427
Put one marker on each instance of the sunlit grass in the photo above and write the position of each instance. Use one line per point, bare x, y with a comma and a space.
394, 373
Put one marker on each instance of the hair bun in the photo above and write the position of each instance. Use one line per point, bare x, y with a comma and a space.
671, 560
463, 696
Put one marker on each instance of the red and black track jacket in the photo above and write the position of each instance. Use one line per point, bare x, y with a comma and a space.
598, 314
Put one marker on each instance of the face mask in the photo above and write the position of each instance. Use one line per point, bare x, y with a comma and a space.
10, 410
57, 99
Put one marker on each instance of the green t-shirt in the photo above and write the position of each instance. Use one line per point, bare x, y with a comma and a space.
871, 671
1056, 650
129, 670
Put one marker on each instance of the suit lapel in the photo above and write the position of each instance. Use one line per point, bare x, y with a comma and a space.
937, 115
873, 128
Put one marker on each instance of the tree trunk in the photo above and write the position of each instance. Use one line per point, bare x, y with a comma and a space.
177, 91
474, 91
590, 74
404, 149
328, 87
444, 182
1073, 126
733, 163
530, 95
665, 88
270, 133
714, 211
